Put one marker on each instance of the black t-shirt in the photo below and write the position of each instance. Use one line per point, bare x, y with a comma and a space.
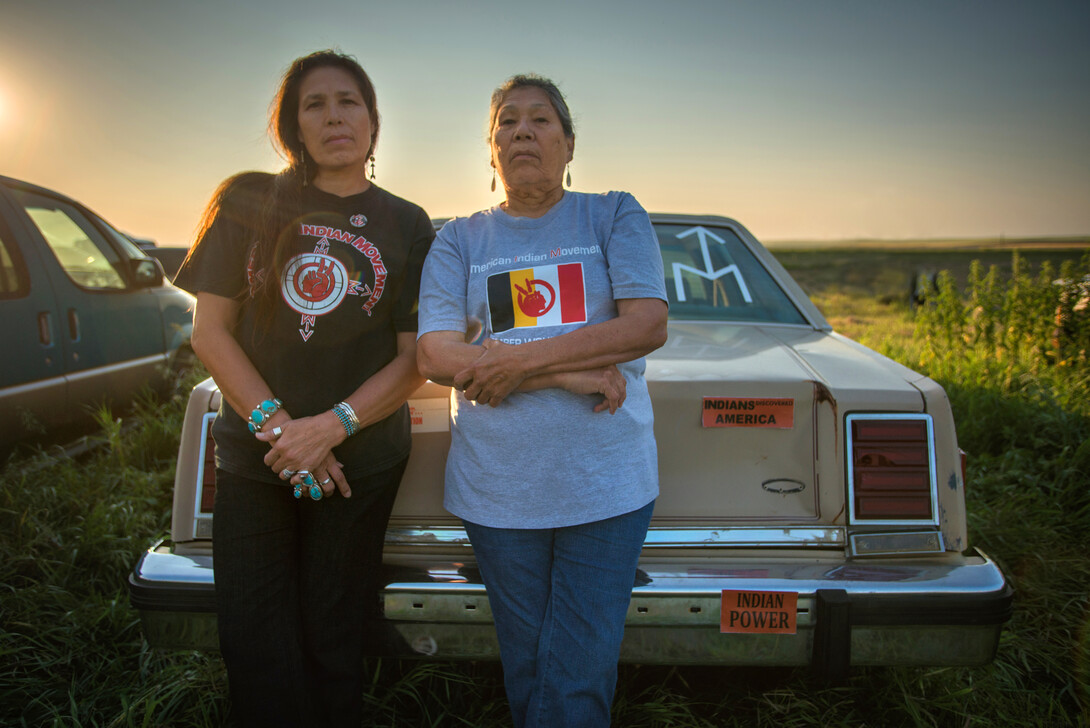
349, 287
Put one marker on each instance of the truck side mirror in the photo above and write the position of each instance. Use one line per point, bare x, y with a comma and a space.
146, 272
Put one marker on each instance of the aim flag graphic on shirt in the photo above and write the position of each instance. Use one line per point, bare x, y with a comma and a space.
541, 296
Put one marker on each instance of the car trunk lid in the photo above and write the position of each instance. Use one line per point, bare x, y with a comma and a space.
737, 420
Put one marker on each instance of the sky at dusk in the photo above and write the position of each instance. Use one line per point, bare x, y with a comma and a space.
803, 119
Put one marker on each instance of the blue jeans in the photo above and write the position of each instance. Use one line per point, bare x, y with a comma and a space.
559, 598
297, 597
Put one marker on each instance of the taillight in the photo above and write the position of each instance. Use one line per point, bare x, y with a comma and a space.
205, 487
207, 484
891, 469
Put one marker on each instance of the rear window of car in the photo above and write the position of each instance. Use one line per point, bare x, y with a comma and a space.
712, 276
13, 278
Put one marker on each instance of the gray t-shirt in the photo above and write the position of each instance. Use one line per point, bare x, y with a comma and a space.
545, 459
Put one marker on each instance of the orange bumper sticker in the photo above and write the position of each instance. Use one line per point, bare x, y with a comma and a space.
758, 612
748, 412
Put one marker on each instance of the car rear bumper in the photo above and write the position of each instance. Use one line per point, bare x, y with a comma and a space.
904, 612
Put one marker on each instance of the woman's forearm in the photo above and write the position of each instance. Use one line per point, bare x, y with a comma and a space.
214, 343
387, 389
638, 329
440, 359
440, 355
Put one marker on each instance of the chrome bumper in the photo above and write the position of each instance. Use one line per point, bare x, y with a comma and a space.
891, 612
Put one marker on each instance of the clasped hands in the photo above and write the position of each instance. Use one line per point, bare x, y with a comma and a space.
305, 445
502, 368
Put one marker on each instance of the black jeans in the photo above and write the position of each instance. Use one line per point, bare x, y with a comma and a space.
297, 597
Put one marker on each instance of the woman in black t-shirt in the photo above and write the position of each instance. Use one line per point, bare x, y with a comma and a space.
306, 285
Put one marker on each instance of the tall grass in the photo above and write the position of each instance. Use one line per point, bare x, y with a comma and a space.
71, 653
1013, 354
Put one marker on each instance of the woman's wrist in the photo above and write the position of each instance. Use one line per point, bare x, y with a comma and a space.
262, 413
346, 415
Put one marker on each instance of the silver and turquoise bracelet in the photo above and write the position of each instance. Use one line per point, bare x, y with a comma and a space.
261, 414
348, 418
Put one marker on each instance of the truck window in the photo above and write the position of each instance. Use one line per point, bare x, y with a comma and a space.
80, 249
13, 282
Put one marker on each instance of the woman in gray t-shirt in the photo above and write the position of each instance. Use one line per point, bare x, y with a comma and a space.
538, 312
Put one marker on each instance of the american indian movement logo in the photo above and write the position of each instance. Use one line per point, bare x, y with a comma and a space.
316, 283
541, 296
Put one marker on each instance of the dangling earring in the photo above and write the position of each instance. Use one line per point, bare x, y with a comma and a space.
304, 157
569, 175
372, 166
493, 179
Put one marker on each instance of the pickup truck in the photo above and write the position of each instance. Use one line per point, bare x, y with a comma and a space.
86, 316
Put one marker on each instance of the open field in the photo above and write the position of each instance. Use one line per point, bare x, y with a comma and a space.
935, 244
887, 274
71, 653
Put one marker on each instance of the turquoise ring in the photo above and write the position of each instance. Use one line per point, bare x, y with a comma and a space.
316, 492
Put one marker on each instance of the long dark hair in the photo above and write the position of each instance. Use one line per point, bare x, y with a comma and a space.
272, 202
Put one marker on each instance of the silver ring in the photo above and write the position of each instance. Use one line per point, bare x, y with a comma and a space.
277, 432
327, 481
285, 473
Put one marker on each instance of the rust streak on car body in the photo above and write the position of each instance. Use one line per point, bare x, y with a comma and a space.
822, 395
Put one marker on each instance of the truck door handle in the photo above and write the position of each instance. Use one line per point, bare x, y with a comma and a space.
45, 328
73, 324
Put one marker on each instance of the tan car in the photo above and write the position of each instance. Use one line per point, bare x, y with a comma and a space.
812, 506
